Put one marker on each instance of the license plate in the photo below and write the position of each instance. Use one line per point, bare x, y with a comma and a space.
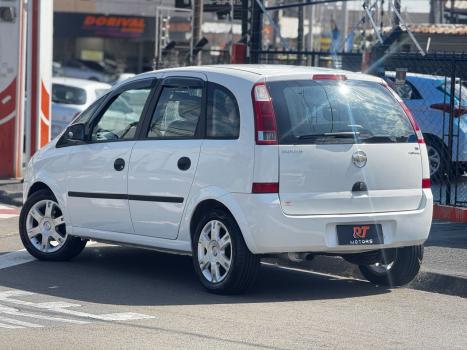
361, 234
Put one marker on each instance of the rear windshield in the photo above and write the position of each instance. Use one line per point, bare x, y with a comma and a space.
326, 111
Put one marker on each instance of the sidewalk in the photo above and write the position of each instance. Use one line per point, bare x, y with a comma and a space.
11, 192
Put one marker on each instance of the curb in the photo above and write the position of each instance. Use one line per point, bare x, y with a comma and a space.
426, 280
446, 212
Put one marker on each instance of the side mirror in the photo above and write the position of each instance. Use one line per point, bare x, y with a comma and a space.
76, 132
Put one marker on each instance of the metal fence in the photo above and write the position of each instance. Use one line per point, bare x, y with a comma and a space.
424, 82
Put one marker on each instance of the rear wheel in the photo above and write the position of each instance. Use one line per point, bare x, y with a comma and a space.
221, 258
42, 229
437, 157
396, 267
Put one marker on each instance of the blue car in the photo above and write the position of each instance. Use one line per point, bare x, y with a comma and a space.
428, 97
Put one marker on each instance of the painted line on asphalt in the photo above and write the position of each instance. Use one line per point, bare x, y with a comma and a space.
312, 272
15, 258
7, 212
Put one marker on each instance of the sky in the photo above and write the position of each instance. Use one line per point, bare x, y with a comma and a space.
411, 5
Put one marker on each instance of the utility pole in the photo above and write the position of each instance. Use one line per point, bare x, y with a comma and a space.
197, 28
397, 6
311, 17
256, 30
300, 33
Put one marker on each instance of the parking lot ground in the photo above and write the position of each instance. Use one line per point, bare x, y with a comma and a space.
116, 297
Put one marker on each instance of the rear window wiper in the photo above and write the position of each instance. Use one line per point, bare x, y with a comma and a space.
340, 134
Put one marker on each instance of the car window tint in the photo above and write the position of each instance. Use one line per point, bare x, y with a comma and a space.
177, 113
223, 119
121, 118
86, 115
406, 91
69, 95
328, 111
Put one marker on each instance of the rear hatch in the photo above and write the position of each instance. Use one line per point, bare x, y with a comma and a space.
345, 147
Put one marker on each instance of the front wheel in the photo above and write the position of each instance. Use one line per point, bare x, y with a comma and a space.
396, 267
42, 228
221, 258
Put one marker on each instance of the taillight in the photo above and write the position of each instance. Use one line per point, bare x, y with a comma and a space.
265, 119
426, 183
445, 107
409, 114
329, 77
265, 187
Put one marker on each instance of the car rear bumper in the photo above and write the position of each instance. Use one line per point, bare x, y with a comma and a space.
268, 230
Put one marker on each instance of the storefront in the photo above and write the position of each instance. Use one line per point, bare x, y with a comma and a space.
125, 42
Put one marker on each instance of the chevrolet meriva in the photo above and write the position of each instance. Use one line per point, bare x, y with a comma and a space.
234, 163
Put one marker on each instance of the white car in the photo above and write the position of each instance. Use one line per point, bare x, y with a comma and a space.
70, 97
233, 163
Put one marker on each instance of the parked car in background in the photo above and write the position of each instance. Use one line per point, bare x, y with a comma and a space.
427, 97
88, 70
70, 97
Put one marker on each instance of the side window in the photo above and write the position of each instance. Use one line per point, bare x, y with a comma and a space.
177, 113
223, 117
121, 118
86, 115
406, 91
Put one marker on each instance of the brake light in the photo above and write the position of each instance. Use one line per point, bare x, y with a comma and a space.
447, 108
409, 114
265, 187
426, 183
329, 77
265, 119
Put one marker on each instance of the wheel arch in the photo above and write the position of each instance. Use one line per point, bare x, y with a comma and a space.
37, 186
208, 200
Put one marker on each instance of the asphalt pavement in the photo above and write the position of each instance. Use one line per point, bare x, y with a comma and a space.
114, 297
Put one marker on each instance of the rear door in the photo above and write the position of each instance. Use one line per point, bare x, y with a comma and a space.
164, 160
346, 147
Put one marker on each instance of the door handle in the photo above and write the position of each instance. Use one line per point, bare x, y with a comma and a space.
184, 163
119, 164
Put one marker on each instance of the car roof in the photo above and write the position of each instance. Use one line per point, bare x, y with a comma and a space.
256, 72
81, 83
420, 76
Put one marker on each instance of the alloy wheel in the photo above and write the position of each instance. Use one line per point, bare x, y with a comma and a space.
45, 226
214, 251
434, 159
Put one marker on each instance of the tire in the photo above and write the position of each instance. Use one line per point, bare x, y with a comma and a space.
437, 157
49, 228
210, 246
400, 268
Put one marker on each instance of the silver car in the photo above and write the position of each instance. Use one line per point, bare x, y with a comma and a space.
70, 97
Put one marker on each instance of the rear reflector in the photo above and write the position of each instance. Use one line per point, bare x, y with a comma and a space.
329, 77
265, 187
426, 183
265, 119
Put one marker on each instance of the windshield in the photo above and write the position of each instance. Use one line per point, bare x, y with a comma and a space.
68, 94
310, 111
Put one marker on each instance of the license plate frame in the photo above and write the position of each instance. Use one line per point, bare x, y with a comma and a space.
360, 234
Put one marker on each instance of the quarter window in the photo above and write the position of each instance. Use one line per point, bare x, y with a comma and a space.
121, 118
177, 113
223, 118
